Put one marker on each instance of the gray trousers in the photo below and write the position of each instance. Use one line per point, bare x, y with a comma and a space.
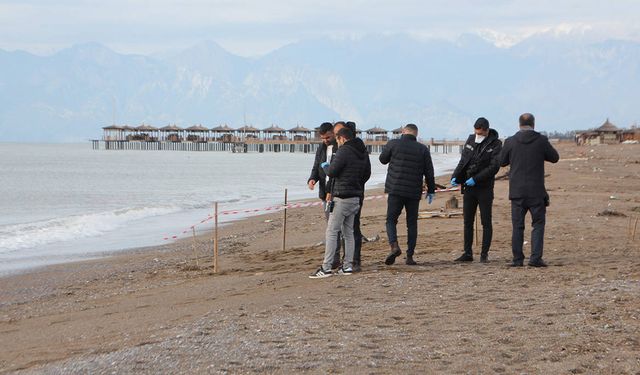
341, 219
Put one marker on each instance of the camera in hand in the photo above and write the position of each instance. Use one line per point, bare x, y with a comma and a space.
330, 205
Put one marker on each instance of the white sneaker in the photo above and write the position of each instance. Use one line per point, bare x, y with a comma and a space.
345, 271
320, 274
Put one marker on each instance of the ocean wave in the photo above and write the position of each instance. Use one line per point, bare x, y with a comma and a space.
27, 235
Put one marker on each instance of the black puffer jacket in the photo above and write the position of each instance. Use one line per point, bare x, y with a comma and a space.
317, 173
349, 170
480, 161
526, 152
409, 162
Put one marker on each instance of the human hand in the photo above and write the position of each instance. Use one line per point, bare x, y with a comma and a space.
430, 197
470, 182
454, 182
311, 184
328, 197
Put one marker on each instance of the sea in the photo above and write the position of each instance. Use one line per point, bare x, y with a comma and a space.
66, 202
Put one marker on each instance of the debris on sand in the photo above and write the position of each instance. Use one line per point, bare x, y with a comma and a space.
610, 212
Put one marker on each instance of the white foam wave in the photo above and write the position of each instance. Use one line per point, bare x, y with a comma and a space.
28, 235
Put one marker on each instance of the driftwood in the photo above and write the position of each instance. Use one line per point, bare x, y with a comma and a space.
441, 213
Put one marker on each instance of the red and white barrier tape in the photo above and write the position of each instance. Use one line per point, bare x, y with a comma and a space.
279, 208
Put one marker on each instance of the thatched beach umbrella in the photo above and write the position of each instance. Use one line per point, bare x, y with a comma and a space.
174, 130
226, 133
273, 129
377, 132
113, 132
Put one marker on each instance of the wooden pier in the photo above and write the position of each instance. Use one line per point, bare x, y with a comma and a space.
243, 140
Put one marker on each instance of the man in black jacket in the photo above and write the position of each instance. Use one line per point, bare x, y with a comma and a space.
349, 171
409, 161
357, 234
479, 163
526, 152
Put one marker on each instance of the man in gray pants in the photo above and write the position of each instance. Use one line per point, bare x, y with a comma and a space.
526, 153
349, 169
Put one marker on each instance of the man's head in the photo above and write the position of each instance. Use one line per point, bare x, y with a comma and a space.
527, 120
410, 129
326, 133
343, 135
351, 125
481, 127
337, 126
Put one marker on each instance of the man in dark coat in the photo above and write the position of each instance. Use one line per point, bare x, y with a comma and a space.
357, 234
409, 164
479, 163
526, 153
349, 171
318, 177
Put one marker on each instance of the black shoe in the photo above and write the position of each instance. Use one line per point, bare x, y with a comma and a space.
516, 263
356, 267
410, 261
538, 263
484, 258
391, 258
465, 258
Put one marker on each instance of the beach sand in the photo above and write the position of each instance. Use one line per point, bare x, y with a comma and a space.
153, 311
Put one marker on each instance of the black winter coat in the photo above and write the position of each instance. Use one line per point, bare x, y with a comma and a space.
409, 162
317, 174
526, 152
480, 161
349, 170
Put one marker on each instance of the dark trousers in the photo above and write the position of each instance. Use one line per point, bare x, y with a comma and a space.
472, 198
357, 235
395, 204
538, 210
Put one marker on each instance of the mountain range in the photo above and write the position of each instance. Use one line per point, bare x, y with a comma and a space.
377, 80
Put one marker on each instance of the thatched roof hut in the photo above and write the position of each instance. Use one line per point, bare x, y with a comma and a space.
273, 129
197, 129
248, 129
223, 129
171, 128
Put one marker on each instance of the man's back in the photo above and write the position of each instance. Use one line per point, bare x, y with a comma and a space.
526, 153
409, 162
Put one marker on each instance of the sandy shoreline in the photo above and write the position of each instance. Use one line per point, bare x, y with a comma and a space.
151, 310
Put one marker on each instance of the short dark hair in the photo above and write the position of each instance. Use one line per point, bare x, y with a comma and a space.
325, 127
527, 119
481, 123
412, 128
351, 125
345, 133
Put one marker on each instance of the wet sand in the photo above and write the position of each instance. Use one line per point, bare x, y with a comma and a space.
154, 311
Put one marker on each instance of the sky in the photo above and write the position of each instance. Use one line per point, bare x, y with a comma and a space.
256, 27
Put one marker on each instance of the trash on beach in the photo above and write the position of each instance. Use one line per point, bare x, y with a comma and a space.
371, 239
611, 212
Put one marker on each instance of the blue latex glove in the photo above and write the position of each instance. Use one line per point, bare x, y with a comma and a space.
430, 197
324, 164
454, 182
470, 182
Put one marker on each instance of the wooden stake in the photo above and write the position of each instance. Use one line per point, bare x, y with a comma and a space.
193, 245
215, 239
284, 226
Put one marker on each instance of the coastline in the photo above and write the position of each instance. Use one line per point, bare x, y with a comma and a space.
130, 307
